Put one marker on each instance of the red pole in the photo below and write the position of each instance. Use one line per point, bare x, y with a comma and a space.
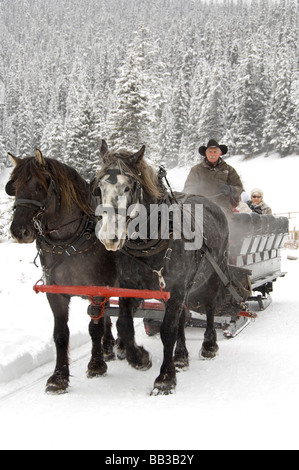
99, 291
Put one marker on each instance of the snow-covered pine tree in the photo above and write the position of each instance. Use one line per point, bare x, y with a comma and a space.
53, 141
83, 137
129, 122
26, 145
211, 119
281, 133
250, 94
46, 47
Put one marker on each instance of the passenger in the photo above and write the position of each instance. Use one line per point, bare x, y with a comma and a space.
243, 207
257, 203
215, 179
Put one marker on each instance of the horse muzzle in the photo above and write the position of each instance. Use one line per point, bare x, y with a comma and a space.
113, 245
111, 232
23, 234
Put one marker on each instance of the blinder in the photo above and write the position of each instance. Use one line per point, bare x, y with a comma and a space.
113, 173
10, 188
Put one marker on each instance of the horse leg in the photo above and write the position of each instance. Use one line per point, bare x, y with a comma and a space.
108, 340
210, 347
97, 367
181, 355
166, 382
120, 349
136, 356
59, 381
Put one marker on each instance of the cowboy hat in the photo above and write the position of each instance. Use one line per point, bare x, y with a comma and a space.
212, 143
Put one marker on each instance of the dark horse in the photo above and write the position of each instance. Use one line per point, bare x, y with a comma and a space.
53, 206
147, 263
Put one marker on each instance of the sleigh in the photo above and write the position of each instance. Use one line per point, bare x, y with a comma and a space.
254, 265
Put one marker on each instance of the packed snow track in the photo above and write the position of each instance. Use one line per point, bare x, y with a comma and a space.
247, 398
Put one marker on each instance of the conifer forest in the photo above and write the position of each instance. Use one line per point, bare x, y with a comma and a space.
170, 74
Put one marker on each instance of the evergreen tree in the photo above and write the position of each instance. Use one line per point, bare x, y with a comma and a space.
26, 144
53, 141
2, 154
180, 111
211, 119
153, 74
83, 139
130, 121
281, 133
252, 95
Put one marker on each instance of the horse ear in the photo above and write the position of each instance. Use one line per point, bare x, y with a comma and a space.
104, 148
137, 157
39, 158
15, 160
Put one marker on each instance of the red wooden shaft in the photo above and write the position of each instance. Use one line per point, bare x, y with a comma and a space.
99, 291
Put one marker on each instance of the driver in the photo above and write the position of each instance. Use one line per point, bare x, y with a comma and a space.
215, 179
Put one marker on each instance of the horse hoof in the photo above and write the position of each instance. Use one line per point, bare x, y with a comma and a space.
181, 363
164, 385
145, 366
208, 354
121, 354
140, 360
96, 370
163, 391
109, 356
54, 390
93, 375
57, 386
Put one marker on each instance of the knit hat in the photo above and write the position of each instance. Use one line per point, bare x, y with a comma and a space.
258, 192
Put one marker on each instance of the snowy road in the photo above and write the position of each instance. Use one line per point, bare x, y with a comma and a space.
247, 398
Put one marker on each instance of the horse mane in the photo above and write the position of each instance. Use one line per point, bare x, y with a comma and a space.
141, 171
73, 188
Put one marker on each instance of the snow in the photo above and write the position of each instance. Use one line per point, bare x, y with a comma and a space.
247, 398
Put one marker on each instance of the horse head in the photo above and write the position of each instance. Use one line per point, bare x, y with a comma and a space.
124, 181
31, 187
47, 194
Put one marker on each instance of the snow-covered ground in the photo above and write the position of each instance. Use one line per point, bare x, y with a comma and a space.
247, 398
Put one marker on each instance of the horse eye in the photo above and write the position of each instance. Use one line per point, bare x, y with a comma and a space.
127, 189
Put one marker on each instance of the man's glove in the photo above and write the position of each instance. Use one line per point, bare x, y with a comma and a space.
225, 190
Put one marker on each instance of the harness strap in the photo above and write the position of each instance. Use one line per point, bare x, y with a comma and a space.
166, 261
225, 280
29, 203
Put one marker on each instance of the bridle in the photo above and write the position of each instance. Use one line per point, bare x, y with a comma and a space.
40, 207
33, 203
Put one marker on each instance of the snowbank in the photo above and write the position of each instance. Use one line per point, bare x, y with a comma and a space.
26, 320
